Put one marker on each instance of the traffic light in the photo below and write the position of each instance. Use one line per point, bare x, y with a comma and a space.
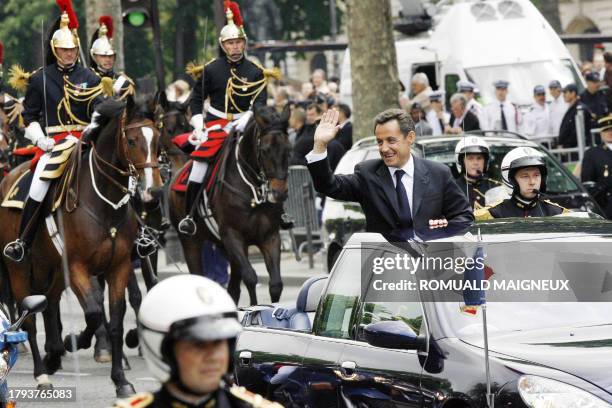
136, 13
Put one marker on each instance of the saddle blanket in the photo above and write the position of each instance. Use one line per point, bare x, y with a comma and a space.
19, 191
180, 184
217, 134
59, 147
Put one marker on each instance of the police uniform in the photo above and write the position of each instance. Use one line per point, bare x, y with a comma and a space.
227, 397
493, 114
513, 207
596, 102
101, 44
537, 119
476, 189
597, 167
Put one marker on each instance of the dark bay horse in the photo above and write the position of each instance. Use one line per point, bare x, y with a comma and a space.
247, 203
99, 236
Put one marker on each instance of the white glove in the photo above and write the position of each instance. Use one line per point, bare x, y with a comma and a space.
242, 122
45, 143
197, 122
34, 132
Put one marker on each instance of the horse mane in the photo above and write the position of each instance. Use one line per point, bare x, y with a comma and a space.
105, 112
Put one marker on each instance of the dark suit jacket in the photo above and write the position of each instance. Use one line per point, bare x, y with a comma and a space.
345, 135
470, 122
303, 146
435, 195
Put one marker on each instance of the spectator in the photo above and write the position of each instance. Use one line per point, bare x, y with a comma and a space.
308, 91
297, 120
345, 134
437, 117
501, 114
421, 127
319, 82
178, 91
593, 98
567, 131
537, 120
557, 107
281, 98
461, 119
467, 89
420, 91
304, 142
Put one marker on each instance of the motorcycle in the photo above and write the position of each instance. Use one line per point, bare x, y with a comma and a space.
10, 337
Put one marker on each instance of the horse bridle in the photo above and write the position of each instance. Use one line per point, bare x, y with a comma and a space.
132, 170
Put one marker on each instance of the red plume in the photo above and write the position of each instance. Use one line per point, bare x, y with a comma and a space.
108, 22
233, 6
1, 53
66, 5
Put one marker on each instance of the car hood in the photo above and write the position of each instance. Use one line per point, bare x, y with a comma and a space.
585, 352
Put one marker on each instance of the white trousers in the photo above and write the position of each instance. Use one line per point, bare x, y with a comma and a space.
198, 171
39, 188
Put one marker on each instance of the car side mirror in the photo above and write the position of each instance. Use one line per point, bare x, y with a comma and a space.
394, 335
592, 188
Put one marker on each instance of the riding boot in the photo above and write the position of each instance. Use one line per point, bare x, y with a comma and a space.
16, 250
187, 225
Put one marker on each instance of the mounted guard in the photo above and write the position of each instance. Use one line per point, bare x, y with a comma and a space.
235, 85
103, 57
59, 103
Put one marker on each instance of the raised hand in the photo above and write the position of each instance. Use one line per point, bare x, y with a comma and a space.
326, 130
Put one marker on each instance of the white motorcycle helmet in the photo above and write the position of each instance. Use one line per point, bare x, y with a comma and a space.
519, 158
471, 144
186, 307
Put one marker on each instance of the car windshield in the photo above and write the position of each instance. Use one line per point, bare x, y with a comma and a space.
558, 180
503, 317
523, 78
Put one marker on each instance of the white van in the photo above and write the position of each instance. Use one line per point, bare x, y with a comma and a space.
483, 41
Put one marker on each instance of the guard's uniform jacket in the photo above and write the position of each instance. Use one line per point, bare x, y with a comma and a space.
231, 87
233, 397
476, 189
597, 167
77, 77
246, 78
512, 207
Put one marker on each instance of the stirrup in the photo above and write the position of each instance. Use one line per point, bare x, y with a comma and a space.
188, 226
15, 250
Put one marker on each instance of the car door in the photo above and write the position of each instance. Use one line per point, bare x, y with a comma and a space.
379, 377
332, 331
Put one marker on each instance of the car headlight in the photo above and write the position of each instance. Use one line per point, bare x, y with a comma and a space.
4, 367
539, 392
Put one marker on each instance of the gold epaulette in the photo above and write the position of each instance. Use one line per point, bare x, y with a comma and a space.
256, 400
274, 73
140, 400
499, 183
194, 70
565, 210
19, 79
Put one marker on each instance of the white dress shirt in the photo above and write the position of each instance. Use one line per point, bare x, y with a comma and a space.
476, 108
537, 120
557, 109
492, 116
434, 122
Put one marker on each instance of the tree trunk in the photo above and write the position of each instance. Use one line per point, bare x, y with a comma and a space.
374, 75
550, 10
97, 8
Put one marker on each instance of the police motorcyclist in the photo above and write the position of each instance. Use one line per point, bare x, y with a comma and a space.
524, 171
189, 346
597, 167
472, 161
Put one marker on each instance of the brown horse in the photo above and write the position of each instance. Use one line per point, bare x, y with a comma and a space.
98, 239
247, 203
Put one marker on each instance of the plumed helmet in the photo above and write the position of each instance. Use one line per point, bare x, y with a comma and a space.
102, 43
471, 144
234, 28
519, 158
186, 307
66, 35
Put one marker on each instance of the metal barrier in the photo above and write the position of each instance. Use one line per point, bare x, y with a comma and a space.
300, 205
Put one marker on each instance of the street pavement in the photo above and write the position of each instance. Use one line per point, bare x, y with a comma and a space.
92, 380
